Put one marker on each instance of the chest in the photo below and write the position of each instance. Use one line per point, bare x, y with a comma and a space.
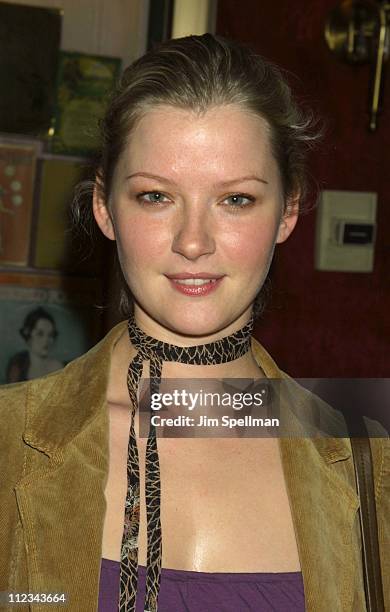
224, 504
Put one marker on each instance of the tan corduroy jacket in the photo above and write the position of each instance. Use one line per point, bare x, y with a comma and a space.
53, 470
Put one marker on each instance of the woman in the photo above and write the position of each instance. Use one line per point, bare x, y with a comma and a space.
39, 332
200, 176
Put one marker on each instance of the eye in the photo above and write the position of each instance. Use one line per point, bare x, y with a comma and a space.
239, 200
152, 197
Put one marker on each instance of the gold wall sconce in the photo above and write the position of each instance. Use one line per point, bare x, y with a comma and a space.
358, 31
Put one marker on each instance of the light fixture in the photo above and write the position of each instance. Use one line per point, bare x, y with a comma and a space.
357, 31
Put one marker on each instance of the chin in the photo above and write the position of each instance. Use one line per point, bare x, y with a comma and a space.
193, 320
197, 329
198, 324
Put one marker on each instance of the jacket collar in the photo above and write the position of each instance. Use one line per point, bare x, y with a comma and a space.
63, 404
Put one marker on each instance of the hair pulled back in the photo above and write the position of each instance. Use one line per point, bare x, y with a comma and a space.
200, 72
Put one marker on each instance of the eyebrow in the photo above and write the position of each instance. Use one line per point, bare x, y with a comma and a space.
156, 177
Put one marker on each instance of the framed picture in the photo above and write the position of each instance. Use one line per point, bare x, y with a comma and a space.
17, 176
45, 322
84, 82
29, 44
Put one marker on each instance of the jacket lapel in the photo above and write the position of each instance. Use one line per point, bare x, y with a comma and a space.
319, 478
61, 496
323, 508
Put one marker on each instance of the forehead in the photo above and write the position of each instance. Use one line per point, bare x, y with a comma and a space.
224, 140
43, 324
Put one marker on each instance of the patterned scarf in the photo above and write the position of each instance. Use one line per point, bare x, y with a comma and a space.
156, 352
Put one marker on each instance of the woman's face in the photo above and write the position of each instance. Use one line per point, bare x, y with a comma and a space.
195, 197
41, 338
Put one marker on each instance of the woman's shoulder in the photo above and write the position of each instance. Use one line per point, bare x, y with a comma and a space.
10, 395
13, 403
307, 400
19, 358
12, 417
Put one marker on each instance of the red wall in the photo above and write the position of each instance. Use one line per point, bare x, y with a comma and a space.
324, 324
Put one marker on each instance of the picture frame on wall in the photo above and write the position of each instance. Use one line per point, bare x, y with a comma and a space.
30, 39
18, 161
46, 321
83, 85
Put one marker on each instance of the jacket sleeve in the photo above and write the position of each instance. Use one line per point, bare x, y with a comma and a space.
12, 451
380, 448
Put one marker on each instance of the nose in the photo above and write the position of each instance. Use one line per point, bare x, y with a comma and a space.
194, 234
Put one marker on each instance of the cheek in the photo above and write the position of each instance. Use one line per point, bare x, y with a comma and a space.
251, 246
142, 241
33, 343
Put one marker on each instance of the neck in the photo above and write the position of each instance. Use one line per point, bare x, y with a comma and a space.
117, 392
36, 360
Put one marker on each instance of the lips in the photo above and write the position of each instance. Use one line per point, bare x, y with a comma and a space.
194, 275
195, 284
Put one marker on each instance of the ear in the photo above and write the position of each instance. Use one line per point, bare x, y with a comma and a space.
101, 213
289, 219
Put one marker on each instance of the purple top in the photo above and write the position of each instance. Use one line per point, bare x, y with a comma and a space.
185, 591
